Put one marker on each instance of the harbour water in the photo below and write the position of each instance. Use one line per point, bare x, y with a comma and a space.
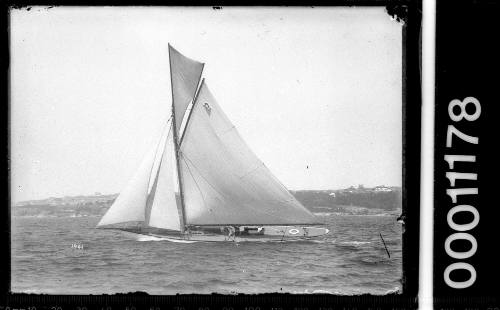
67, 255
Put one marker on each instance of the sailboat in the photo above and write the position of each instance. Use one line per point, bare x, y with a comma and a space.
201, 182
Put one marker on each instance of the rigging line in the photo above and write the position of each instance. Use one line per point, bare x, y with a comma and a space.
223, 145
196, 183
156, 152
161, 135
228, 130
165, 124
219, 136
211, 185
151, 196
224, 196
250, 171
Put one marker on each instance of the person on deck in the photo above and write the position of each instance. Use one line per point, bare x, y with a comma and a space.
231, 232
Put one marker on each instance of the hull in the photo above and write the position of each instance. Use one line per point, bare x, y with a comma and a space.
240, 234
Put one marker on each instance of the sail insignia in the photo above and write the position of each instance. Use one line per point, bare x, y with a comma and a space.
207, 108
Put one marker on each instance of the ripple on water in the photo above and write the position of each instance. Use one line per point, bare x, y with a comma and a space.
349, 260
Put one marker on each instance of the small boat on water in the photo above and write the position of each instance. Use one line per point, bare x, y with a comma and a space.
201, 182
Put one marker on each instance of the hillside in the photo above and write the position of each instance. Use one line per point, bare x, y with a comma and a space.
351, 200
386, 198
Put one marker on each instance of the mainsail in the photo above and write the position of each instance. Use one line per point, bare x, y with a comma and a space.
224, 181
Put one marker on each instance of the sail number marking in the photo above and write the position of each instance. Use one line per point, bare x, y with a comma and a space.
452, 136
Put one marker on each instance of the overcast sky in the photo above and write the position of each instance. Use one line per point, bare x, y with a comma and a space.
315, 92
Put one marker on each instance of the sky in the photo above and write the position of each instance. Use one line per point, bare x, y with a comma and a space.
315, 92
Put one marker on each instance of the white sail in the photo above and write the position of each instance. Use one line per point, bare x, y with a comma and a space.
130, 204
224, 181
162, 211
185, 74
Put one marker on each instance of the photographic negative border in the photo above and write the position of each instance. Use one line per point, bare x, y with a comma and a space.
408, 12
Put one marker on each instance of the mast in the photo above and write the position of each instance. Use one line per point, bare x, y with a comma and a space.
182, 212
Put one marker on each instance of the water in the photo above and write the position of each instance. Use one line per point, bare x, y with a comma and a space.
47, 257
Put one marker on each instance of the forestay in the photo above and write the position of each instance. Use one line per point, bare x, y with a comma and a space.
224, 181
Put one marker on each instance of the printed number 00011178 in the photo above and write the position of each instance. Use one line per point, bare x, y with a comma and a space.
452, 176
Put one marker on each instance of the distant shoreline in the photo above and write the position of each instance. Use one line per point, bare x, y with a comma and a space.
379, 197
